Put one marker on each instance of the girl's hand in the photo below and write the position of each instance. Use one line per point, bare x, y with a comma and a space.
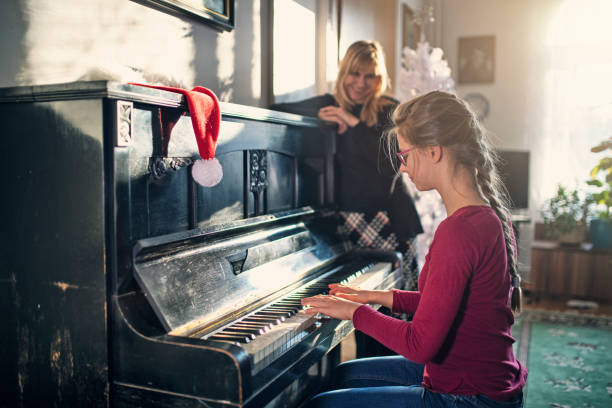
331, 306
352, 294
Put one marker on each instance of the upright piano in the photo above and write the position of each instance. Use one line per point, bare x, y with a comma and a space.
124, 283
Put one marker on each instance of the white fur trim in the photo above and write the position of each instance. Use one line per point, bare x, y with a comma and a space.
207, 173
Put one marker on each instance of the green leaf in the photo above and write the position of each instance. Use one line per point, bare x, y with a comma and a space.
594, 182
605, 163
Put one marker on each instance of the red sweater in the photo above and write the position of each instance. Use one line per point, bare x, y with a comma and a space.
462, 317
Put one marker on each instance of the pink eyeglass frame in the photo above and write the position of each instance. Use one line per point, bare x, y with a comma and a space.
400, 155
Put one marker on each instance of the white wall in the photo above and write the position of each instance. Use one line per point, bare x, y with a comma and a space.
49, 41
552, 93
531, 99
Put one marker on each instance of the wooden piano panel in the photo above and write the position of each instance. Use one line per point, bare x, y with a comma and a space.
267, 167
225, 201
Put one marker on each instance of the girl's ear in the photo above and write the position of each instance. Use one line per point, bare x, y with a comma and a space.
435, 153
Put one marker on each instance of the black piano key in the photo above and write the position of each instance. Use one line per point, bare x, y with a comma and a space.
278, 316
236, 339
239, 331
292, 303
279, 309
263, 323
256, 328
292, 311
252, 317
273, 320
248, 326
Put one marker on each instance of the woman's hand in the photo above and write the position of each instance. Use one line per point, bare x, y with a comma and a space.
338, 115
379, 297
331, 306
349, 293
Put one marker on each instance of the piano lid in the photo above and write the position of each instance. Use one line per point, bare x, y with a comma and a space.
194, 280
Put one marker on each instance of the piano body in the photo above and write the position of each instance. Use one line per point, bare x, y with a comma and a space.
124, 283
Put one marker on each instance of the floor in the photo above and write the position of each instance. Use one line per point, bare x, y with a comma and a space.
561, 304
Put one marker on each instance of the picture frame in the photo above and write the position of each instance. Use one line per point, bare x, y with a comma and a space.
218, 13
411, 30
476, 60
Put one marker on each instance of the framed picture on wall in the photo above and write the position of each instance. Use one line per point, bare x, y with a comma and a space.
218, 13
476, 59
411, 30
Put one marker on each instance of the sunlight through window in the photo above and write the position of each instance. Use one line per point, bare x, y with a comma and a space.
578, 88
294, 49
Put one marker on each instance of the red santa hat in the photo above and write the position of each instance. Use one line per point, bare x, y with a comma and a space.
206, 118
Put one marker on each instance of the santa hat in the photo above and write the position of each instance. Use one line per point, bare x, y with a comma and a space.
206, 118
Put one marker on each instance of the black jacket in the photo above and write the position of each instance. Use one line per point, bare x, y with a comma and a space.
363, 170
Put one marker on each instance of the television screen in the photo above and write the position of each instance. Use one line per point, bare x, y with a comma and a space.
514, 171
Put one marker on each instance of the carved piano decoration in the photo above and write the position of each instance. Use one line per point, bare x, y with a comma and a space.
124, 283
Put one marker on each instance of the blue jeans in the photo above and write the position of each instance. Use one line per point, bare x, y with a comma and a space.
394, 381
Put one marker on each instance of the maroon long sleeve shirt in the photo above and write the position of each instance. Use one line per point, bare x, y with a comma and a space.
462, 317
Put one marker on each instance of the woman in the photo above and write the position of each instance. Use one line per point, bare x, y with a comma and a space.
376, 210
457, 350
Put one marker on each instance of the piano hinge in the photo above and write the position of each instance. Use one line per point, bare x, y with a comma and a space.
125, 126
159, 166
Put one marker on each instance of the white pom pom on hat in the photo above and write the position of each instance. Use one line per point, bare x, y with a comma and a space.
207, 173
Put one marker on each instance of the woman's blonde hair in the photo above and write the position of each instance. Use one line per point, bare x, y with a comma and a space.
359, 55
442, 119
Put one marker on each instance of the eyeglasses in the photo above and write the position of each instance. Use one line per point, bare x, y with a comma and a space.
402, 155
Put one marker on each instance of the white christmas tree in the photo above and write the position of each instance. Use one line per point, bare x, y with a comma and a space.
423, 70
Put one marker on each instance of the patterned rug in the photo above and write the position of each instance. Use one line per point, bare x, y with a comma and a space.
569, 358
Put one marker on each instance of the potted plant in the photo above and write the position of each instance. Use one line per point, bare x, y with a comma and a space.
600, 228
565, 216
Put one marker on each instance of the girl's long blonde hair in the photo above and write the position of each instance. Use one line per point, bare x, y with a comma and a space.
441, 119
359, 55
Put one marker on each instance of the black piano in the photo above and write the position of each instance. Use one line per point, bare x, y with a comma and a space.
124, 283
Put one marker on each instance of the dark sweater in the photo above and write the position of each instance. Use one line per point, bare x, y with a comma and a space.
462, 317
363, 170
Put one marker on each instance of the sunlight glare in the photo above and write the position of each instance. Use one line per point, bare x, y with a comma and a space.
578, 88
294, 47
580, 22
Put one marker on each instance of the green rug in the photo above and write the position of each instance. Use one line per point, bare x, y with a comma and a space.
569, 359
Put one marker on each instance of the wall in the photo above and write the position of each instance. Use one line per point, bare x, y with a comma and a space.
50, 41
552, 94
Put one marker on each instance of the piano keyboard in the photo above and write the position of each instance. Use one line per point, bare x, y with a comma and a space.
272, 330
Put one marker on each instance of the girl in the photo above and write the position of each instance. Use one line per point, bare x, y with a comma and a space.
457, 350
